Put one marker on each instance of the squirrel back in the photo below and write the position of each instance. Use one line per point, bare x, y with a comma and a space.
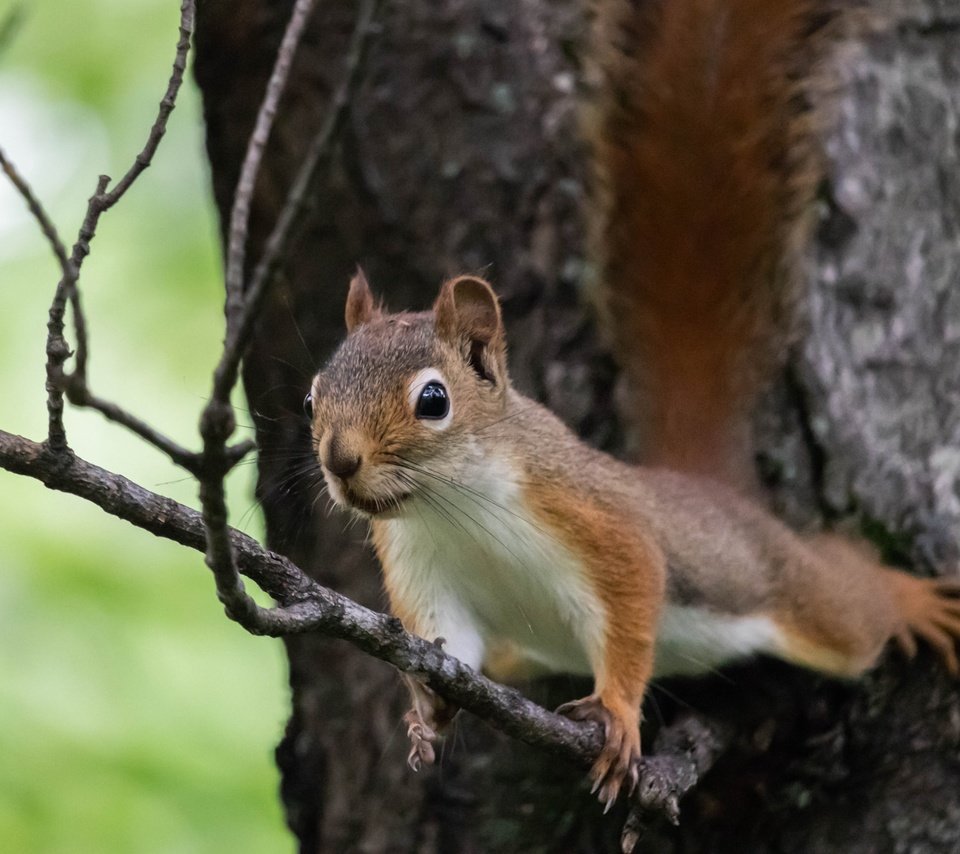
704, 138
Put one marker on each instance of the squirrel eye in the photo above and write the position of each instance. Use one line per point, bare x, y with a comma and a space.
308, 406
433, 401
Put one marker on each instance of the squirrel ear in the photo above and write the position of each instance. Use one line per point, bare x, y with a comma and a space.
467, 313
360, 307
467, 307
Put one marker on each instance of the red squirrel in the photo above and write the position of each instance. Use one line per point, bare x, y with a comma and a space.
524, 549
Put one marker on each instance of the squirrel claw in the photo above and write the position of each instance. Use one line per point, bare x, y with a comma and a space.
421, 738
617, 762
633, 776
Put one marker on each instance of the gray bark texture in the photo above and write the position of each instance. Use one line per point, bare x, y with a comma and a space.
462, 153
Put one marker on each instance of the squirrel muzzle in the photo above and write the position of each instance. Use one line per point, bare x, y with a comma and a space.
340, 456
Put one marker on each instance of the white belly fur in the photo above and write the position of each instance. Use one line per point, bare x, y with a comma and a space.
477, 568
692, 641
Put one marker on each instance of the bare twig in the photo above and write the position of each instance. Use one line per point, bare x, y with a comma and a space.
79, 395
217, 421
167, 103
57, 349
101, 201
297, 199
249, 171
39, 213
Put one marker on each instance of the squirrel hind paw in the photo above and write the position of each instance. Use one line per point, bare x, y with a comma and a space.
932, 614
422, 738
617, 763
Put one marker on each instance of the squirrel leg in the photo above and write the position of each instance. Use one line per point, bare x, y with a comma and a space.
626, 570
845, 606
615, 705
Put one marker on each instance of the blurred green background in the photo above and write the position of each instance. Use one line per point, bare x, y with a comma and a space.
133, 716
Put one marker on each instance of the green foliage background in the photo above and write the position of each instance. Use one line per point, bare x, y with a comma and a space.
133, 716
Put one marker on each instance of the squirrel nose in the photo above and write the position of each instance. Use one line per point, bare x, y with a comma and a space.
340, 460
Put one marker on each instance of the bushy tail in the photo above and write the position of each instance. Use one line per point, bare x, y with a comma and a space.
704, 133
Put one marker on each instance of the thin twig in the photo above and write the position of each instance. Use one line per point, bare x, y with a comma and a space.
250, 170
57, 350
39, 214
217, 421
101, 201
297, 200
79, 395
167, 103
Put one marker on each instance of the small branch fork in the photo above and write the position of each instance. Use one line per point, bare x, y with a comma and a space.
74, 384
687, 751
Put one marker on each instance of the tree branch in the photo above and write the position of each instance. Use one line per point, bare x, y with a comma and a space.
682, 753
58, 351
296, 202
307, 606
312, 607
79, 395
217, 421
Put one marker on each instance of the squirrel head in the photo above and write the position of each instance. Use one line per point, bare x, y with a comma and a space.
406, 397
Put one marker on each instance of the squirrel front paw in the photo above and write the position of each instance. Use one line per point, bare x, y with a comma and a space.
618, 760
422, 738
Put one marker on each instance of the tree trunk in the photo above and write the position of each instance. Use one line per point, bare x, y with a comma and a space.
461, 153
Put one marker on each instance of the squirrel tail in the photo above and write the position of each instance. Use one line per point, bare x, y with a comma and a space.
705, 140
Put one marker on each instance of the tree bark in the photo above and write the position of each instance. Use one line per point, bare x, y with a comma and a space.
462, 153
